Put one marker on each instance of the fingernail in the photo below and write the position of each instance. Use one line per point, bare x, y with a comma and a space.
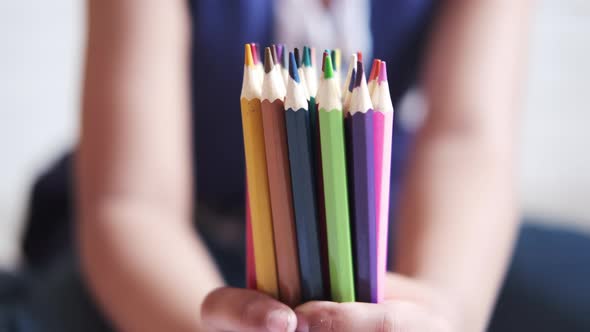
280, 320
302, 324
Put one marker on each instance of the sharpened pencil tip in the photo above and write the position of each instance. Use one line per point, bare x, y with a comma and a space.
268, 64
352, 79
374, 69
360, 74
324, 55
328, 70
306, 56
279, 54
297, 57
293, 72
359, 56
382, 72
248, 60
335, 54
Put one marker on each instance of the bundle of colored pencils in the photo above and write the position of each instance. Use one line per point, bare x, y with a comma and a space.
318, 160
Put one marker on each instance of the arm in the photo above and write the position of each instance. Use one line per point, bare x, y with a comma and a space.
458, 211
139, 252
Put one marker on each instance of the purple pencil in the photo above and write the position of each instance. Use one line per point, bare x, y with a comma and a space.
361, 171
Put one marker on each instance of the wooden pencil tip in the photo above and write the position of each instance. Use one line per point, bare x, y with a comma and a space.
248, 60
382, 72
328, 70
360, 74
268, 64
293, 72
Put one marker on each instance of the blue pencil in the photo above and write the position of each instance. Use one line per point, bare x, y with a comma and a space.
301, 160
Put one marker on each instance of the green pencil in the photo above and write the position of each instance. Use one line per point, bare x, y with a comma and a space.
335, 186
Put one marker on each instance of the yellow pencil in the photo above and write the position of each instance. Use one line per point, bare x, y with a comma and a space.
256, 174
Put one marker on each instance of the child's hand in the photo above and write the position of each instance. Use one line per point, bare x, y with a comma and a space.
243, 310
409, 306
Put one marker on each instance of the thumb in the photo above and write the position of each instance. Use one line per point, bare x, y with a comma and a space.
236, 309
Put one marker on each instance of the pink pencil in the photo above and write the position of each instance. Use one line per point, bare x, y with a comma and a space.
383, 131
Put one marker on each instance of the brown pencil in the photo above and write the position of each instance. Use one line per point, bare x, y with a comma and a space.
279, 176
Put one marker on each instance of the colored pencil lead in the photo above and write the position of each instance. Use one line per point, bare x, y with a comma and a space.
324, 56
268, 63
374, 69
293, 72
248, 60
382, 77
306, 57
297, 57
328, 70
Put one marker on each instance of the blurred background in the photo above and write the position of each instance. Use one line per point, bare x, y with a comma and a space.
40, 70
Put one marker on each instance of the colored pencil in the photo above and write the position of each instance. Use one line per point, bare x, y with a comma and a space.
279, 178
373, 76
335, 187
383, 130
258, 190
317, 152
362, 190
301, 158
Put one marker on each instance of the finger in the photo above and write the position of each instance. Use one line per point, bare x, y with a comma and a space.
394, 316
236, 309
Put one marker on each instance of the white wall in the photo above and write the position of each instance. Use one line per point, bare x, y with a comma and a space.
40, 52
40, 56
555, 172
